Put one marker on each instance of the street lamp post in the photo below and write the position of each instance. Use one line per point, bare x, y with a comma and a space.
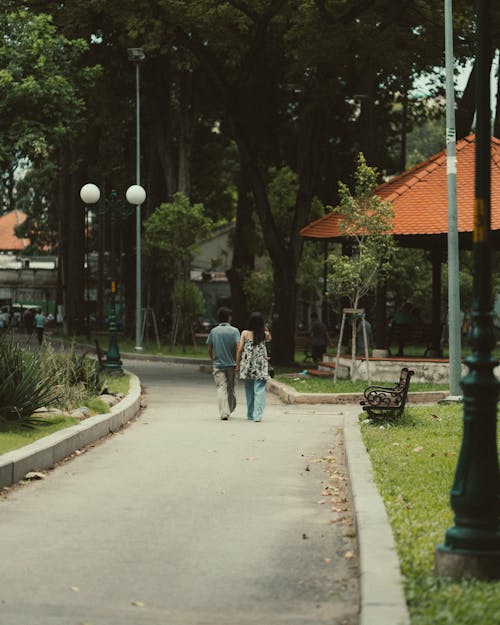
90, 194
136, 55
472, 545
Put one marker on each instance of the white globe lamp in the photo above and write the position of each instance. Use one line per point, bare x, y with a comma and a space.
135, 195
90, 193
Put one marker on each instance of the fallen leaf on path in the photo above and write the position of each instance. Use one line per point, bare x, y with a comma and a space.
138, 604
75, 589
34, 475
251, 458
305, 536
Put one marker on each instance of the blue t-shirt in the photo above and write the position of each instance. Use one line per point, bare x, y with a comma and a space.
224, 338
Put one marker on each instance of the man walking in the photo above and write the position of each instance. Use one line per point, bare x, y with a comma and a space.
222, 343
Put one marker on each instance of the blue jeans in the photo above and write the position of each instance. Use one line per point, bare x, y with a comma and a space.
255, 391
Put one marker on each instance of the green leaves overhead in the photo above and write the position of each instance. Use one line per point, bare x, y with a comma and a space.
39, 100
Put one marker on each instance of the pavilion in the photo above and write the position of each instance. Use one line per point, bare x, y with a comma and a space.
419, 198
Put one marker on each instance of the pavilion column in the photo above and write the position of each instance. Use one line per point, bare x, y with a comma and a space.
437, 259
381, 348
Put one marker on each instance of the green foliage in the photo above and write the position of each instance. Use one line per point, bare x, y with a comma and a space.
426, 138
282, 192
25, 385
187, 296
365, 221
39, 91
31, 380
171, 234
259, 289
414, 461
71, 368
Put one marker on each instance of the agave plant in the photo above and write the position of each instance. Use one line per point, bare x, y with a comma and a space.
74, 369
25, 385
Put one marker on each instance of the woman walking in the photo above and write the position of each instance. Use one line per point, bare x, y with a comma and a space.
252, 364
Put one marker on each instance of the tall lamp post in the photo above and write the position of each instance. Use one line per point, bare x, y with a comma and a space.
136, 55
472, 545
90, 194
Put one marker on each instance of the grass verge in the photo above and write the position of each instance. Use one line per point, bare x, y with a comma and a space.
414, 462
322, 385
14, 435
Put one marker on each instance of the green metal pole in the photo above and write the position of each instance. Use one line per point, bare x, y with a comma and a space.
138, 252
472, 545
454, 338
113, 360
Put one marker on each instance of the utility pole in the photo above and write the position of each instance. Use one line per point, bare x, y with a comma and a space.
454, 337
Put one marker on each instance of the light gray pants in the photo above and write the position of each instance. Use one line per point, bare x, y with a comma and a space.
224, 381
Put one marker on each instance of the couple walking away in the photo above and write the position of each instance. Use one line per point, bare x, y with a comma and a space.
244, 355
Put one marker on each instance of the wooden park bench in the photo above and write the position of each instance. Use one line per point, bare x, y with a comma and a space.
380, 401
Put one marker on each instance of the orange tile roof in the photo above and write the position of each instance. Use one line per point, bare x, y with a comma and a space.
420, 197
8, 240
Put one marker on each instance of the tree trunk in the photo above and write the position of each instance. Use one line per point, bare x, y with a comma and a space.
72, 217
496, 127
162, 127
243, 252
284, 313
466, 107
186, 129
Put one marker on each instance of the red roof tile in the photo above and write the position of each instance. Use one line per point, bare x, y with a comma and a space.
8, 240
420, 196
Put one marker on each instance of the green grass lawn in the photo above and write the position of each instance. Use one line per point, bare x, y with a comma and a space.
414, 462
323, 385
14, 435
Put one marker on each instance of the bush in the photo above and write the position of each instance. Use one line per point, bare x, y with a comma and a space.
30, 380
25, 384
75, 375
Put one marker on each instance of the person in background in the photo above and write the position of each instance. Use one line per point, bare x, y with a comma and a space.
360, 339
29, 323
39, 325
401, 323
222, 343
319, 337
252, 365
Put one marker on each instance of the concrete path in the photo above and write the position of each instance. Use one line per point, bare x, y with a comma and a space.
183, 519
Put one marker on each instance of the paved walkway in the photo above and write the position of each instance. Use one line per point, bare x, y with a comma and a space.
182, 519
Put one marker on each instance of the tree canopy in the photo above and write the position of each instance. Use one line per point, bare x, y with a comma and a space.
231, 93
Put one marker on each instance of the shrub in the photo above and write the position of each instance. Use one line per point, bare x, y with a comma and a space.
25, 384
